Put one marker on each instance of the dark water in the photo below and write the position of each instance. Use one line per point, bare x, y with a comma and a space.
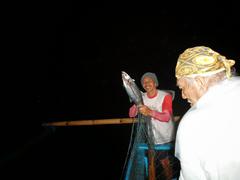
86, 152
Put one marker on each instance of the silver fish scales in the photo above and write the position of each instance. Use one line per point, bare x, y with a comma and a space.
132, 89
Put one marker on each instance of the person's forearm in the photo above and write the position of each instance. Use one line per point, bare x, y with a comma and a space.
161, 116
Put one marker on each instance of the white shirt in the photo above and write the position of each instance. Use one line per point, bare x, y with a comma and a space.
208, 136
163, 132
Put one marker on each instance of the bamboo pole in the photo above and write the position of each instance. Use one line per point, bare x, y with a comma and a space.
96, 122
151, 165
92, 122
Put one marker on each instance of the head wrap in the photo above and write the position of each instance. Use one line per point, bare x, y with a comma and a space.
202, 61
150, 75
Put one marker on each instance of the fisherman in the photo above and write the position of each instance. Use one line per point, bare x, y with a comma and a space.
157, 106
207, 142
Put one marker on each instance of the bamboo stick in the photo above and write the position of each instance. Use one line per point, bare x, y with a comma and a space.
151, 165
96, 122
92, 122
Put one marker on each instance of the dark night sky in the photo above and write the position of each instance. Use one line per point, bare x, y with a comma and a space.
69, 68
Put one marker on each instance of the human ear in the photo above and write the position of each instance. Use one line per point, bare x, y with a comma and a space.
201, 82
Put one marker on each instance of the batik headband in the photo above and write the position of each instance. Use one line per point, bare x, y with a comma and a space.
202, 61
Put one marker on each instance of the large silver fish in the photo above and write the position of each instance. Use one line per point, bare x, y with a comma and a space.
132, 89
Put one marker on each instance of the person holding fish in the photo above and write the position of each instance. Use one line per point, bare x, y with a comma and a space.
207, 142
157, 104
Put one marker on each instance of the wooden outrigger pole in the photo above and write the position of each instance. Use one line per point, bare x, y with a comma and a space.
151, 165
96, 122
92, 122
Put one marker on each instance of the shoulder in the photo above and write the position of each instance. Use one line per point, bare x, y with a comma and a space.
190, 122
162, 93
166, 95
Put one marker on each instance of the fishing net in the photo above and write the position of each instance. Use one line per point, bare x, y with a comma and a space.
144, 159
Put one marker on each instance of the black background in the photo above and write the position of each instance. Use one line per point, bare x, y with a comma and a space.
64, 62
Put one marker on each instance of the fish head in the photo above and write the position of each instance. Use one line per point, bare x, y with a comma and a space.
125, 79
132, 90
125, 76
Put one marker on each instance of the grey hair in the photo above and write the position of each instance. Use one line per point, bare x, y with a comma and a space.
210, 80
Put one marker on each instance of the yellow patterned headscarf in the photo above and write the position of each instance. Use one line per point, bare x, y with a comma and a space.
201, 60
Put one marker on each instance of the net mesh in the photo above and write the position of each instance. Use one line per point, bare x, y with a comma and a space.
146, 160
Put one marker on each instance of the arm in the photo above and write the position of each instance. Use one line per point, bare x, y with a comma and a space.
190, 171
163, 116
166, 113
189, 143
133, 111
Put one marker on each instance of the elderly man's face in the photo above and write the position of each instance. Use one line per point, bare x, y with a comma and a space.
190, 90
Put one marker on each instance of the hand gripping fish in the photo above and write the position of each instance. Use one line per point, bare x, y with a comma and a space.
132, 89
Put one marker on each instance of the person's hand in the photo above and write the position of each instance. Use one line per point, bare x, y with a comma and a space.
144, 110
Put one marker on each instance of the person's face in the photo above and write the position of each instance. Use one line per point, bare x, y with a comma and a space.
149, 84
190, 90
